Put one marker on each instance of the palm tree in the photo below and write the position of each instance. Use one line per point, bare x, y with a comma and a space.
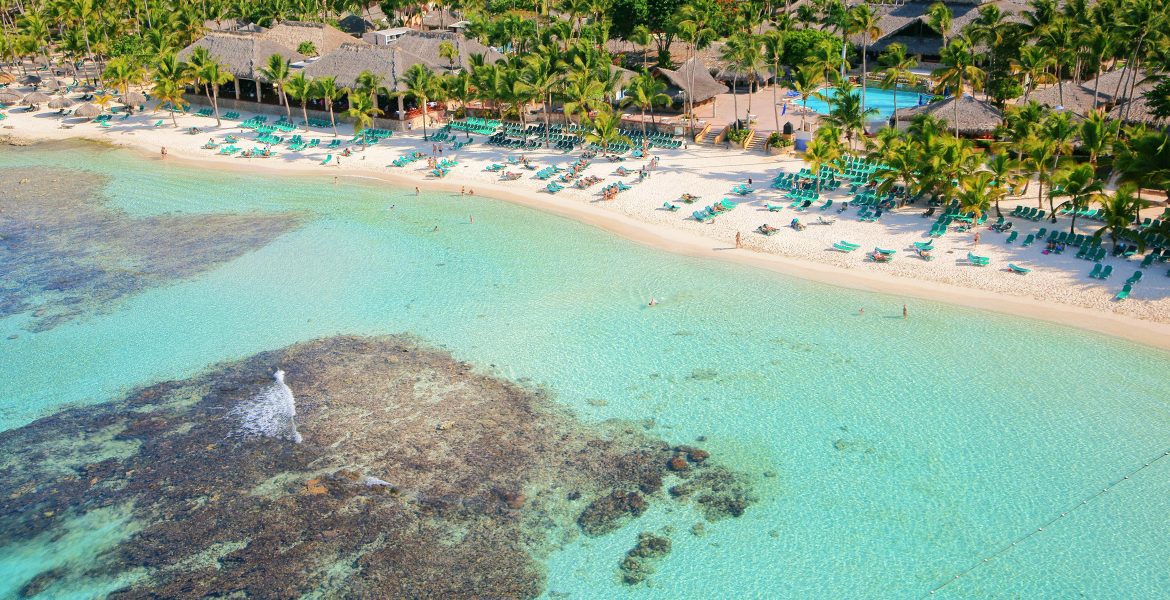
277, 73
369, 84
215, 75
422, 85
897, 69
581, 95
540, 78
362, 111
958, 69
1081, 186
642, 38
977, 193
773, 52
1097, 133
1119, 211
694, 27
805, 81
448, 51
458, 86
1033, 63
846, 112
1057, 132
326, 89
121, 72
301, 89
169, 80
824, 58
606, 130
864, 21
939, 17
823, 152
732, 54
1006, 171
645, 91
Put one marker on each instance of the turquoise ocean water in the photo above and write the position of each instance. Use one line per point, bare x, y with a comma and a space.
904, 451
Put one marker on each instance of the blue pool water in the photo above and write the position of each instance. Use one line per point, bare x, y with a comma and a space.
903, 451
875, 97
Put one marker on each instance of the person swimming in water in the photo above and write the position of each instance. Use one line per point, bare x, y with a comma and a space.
653, 301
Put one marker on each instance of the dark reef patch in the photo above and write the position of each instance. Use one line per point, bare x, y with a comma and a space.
642, 560
417, 478
64, 252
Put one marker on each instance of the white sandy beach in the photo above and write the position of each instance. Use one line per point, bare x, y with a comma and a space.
1058, 288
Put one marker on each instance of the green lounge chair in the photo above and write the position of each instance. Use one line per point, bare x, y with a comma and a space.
843, 247
1012, 236
1148, 261
979, 261
1106, 272
924, 245
1135, 278
328, 158
1028, 240
1017, 269
1096, 272
883, 251
774, 207
1124, 293
849, 244
670, 207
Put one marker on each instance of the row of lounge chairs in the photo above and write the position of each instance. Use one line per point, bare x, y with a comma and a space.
1032, 214
712, 211
402, 161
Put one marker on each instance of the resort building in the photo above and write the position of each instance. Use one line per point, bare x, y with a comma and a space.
244, 54
702, 91
907, 24
976, 118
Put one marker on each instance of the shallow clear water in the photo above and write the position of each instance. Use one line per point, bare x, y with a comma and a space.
904, 451
875, 97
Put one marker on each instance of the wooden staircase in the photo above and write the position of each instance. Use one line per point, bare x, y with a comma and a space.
755, 141
709, 136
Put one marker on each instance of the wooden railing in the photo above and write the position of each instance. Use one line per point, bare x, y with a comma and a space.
702, 133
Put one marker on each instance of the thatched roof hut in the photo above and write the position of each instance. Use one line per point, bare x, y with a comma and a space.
1137, 110
346, 63
37, 98
975, 117
7, 78
60, 102
425, 46
10, 97
325, 38
705, 88
1108, 84
1065, 94
906, 23
244, 54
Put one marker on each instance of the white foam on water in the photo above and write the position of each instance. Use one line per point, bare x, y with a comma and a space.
271, 413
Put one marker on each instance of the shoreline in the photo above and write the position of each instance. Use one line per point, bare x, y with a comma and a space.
660, 236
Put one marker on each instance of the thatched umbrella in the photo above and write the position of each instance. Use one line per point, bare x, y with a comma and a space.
30, 80
36, 98
133, 99
60, 102
87, 111
7, 78
10, 97
87, 88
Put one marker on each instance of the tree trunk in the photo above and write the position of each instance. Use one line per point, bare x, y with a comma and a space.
215, 104
864, 72
424, 107
305, 114
734, 98
332, 120
775, 101
958, 97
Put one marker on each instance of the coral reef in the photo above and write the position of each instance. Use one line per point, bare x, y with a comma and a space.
64, 252
416, 477
642, 560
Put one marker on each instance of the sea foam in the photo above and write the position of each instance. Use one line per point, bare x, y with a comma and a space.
271, 413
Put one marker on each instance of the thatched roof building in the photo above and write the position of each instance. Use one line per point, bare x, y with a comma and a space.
975, 117
906, 23
425, 46
1137, 110
244, 54
705, 88
324, 38
346, 63
1067, 95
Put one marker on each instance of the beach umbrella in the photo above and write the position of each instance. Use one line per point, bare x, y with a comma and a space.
85, 88
87, 111
10, 97
133, 99
60, 102
37, 98
30, 80
7, 78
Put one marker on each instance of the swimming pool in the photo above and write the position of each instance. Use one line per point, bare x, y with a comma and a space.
875, 97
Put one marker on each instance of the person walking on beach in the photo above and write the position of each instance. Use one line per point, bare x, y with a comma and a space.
738, 240
462, 190
905, 313
416, 190
164, 151
976, 239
